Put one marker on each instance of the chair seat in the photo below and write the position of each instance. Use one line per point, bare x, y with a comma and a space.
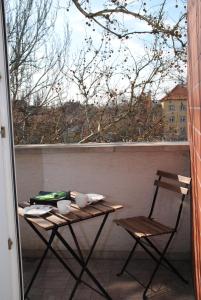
143, 227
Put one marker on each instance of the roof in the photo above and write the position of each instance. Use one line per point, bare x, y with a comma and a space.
177, 93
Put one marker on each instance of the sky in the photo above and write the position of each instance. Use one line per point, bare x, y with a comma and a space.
78, 28
79, 31
125, 53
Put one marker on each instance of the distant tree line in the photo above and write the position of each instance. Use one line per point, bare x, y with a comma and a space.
66, 123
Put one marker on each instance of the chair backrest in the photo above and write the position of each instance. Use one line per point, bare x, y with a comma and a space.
176, 183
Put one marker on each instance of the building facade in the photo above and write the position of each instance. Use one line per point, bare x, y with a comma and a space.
174, 108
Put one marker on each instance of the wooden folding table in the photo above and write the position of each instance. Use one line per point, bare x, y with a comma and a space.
53, 221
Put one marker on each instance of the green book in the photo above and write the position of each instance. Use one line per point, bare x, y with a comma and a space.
52, 196
49, 198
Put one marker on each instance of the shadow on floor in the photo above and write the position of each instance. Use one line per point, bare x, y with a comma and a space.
55, 283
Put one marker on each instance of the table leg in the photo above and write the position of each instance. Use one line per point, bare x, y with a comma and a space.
76, 242
85, 263
58, 257
40, 263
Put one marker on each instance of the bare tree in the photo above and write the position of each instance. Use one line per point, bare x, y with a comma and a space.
36, 59
112, 79
155, 18
119, 84
163, 59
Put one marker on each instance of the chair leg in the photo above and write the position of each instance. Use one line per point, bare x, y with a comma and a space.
171, 267
157, 266
128, 259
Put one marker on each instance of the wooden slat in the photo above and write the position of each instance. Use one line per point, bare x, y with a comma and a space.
92, 211
142, 226
79, 212
70, 217
159, 228
103, 208
52, 218
111, 205
55, 219
41, 222
179, 178
171, 187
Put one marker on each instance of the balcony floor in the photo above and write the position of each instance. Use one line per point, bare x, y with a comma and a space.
55, 283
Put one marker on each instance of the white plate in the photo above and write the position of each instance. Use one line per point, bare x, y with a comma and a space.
95, 197
37, 210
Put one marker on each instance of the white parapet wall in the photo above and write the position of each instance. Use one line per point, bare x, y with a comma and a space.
124, 173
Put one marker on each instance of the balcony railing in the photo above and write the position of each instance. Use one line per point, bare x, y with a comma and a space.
124, 173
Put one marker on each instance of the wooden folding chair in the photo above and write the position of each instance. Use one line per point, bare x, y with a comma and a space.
143, 228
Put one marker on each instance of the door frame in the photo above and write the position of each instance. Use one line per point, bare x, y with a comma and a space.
11, 280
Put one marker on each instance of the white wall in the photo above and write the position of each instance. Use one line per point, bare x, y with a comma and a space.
123, 173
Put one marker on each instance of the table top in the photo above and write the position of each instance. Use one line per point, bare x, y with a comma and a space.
53, 218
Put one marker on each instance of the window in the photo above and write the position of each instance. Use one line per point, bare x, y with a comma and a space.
171, 119
182, 130
183, 107
172, 107
182, 119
